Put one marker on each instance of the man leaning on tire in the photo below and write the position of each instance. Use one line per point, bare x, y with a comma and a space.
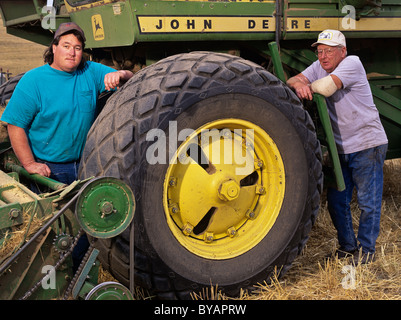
53, 106
360, 139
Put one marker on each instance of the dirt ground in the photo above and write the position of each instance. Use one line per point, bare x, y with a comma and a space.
18, 55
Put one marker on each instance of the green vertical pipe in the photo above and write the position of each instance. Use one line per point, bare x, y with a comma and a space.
52, 184
278, 67
331, 144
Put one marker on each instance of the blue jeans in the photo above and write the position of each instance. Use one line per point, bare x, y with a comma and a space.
362, 170
68, 173
63, 172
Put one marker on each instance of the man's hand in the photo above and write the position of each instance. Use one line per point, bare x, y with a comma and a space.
303, 91
301, 86
37, 167
113, 80
19, 142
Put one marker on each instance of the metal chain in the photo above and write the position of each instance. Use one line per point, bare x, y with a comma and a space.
63, 257
78, 272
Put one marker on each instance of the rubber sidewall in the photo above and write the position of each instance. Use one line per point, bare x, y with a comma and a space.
290, 145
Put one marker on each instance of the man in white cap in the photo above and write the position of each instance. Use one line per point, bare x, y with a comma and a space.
360, 138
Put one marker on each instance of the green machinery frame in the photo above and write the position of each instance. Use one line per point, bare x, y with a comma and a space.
101, 207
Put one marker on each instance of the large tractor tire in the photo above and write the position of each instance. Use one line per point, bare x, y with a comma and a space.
226, 170
7, 89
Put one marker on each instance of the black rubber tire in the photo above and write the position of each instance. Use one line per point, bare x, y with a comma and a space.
193, 89
7, 88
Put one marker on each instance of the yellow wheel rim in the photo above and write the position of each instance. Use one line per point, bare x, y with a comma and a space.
224, 188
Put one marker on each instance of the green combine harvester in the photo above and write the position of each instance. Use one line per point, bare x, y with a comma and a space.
225, 163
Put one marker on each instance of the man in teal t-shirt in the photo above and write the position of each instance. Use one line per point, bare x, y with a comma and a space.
53, 106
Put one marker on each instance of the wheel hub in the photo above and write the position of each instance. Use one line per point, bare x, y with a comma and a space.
228, 190
221, 200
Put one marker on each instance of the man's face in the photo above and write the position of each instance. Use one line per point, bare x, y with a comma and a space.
330, 57
67, 54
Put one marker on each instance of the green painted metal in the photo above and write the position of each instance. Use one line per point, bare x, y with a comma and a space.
389, 106
105, 207
11, 214
110, 291
84, 276
25, 270
47, 182
160, 20
329, 139
103, 24
278, 66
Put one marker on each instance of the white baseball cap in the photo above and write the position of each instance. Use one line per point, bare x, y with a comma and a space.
331, 38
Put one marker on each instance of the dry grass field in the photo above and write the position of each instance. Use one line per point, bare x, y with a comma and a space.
312, 277
18, 55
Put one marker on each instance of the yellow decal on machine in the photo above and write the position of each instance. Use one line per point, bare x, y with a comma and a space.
302, 24
199, 24
97, 27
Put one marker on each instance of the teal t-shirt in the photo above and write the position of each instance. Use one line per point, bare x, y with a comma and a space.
56, 109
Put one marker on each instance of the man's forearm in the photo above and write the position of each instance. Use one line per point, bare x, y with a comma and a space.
20, 144
125, 75
301, 86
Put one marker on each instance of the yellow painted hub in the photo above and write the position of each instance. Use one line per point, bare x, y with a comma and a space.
224, 188
229, 190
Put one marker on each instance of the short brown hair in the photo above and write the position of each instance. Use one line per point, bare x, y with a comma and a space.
48, 55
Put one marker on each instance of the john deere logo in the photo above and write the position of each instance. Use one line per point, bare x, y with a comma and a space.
97, 27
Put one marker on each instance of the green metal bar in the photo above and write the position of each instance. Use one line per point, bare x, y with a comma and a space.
84, 273
52, 184
278, 67
325, 119
391, 109
30, 18
38, 234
